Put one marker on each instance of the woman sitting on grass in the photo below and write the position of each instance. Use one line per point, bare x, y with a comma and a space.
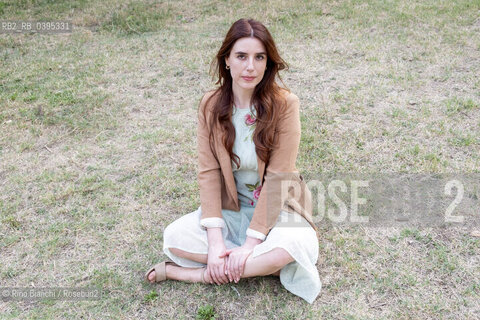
248, 136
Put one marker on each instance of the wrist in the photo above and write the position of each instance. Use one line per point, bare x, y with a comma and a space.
214, 234
252, 242
215, 242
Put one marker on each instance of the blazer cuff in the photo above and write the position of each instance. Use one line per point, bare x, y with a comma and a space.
255, 234
213, 222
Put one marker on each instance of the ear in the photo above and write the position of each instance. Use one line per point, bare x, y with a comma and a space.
226, 61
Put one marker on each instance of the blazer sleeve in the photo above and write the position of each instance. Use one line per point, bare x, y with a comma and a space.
209, 172
281, 166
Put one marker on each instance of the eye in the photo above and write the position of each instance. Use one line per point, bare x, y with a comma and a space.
260, 57
241, 56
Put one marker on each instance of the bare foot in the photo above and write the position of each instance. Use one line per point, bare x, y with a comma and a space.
187, 274
151, 276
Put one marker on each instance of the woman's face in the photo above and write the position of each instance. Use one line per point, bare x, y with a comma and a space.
247, 61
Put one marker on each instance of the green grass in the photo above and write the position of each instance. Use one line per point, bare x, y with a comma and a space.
456, 105
98, 150
206, 313
138, 18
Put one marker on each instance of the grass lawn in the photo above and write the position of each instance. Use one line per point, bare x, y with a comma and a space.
98, 151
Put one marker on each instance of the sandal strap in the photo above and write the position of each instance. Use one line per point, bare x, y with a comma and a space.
161, 271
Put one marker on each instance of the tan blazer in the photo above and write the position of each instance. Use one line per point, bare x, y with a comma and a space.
283, 188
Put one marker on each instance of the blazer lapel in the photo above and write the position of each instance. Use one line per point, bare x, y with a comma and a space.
261, 169
226, 168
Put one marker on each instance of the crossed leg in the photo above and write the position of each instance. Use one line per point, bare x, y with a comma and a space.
269, 263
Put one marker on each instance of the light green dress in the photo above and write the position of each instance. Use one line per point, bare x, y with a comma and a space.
188, 232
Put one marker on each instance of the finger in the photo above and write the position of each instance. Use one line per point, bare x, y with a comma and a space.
225, 267
209, 272
228, 269
223, 276
211, 276
234, 270
242, 269
237, 269
231, 271
218, 274
214, 275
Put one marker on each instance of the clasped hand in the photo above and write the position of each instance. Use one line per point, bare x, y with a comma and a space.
233, 262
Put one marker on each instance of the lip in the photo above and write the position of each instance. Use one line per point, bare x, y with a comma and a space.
248, 78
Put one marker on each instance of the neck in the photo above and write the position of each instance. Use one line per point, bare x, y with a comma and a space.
242, 97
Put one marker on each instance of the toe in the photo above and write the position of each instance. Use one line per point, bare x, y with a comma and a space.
151, 276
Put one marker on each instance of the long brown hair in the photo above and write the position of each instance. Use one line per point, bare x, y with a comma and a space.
266, 98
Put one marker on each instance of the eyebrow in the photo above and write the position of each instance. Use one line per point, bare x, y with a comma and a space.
241, 52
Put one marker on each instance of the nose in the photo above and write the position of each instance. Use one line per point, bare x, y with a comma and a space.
250, 64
